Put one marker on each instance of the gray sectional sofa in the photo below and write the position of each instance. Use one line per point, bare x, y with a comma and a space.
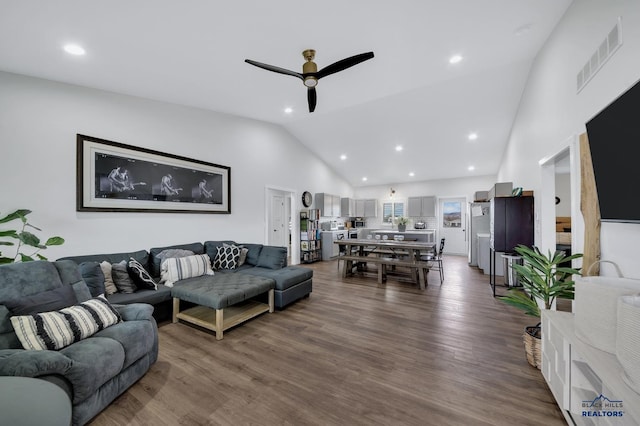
92, 371
291, 282
95, 370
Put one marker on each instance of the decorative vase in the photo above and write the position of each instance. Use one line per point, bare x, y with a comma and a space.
402, 227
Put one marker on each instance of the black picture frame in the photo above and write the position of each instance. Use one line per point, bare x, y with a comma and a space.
115, 177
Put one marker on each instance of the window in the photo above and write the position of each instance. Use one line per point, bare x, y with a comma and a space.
452, 214
391, 211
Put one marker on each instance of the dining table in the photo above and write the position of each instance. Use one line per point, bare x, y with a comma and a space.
390, 252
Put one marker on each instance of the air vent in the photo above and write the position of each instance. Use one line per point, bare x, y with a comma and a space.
607, 48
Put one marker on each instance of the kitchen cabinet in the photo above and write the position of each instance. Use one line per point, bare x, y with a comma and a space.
421, 206
366, 207
348, 207
330, 250
328, 204
370, 207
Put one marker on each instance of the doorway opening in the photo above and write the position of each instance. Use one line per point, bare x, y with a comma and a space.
281, 226
452, 224
560, 224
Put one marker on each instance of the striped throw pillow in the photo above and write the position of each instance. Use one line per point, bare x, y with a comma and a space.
175, 269
56, 329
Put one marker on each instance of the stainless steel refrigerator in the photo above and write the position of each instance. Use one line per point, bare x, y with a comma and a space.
478, 218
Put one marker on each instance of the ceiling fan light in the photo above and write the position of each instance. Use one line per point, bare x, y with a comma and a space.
310, 81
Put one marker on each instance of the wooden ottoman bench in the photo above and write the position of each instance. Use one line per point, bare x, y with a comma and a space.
223, 300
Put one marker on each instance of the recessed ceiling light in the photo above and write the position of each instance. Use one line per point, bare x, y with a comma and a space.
522, 29
412, 174
471, 168
74, 49
473, 136
455, 59
399, 148
343, 157
288, 110
364, 179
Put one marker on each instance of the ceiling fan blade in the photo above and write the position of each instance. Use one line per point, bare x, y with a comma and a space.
274, 69
311, 97
343, 64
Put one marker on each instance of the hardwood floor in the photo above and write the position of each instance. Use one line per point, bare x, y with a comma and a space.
353, 353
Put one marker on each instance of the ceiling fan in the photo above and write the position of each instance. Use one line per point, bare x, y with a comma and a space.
310, 74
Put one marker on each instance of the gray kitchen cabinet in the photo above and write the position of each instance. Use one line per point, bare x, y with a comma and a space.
370, 208
348, 207
366, 207
421, 206
328, 204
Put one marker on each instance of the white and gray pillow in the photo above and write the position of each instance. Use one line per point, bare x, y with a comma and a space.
56, 329
178, 268
243, 252
227, 257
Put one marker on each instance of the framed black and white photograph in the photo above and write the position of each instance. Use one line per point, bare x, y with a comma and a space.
112, 176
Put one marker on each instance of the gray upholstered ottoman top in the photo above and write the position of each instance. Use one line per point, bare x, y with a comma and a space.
221, 290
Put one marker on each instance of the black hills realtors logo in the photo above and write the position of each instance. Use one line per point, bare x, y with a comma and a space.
601, 406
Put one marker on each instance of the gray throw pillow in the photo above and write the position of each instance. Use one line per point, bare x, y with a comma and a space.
272, 257
94, 277
121, 278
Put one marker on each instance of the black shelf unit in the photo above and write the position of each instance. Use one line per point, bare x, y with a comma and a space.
310, 244
512, 224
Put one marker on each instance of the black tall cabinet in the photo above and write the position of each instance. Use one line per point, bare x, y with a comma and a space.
511, 224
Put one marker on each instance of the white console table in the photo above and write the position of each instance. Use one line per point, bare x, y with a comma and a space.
576, 372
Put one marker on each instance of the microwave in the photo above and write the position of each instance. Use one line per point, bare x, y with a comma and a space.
359, 222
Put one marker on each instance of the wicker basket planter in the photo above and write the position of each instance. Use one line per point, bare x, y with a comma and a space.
533, 345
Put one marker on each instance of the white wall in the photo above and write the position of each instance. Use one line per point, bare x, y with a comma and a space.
551, 112
462, 187
563, 191
39, 120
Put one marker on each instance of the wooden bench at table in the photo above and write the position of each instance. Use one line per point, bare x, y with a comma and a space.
418, 266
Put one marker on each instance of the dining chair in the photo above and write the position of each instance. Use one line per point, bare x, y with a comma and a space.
435, 260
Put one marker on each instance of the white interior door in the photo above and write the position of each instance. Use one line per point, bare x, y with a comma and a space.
452, 226
278, 223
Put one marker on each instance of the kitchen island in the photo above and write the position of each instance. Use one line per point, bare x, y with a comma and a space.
426, 235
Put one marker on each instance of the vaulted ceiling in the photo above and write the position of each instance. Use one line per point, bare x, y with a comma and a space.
409, 95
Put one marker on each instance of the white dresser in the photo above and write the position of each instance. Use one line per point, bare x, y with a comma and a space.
579, 374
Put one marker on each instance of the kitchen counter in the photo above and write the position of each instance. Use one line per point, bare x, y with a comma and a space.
408, 231
428, 235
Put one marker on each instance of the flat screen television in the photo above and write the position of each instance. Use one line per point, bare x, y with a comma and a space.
614, 140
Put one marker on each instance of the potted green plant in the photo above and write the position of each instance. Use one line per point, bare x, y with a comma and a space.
24, 238
402, 223
543, 280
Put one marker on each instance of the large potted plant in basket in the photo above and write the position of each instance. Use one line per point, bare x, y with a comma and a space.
543, 280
